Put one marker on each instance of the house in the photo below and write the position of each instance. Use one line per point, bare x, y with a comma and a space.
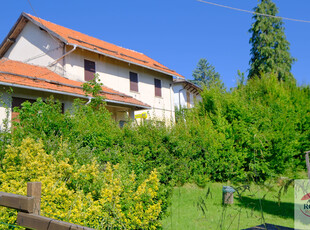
39, 58
186, 94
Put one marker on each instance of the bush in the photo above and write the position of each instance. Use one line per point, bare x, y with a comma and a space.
118, 200
254, 132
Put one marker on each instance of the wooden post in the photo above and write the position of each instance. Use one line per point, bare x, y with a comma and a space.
228, 198
228, 195
307, 163
34, 190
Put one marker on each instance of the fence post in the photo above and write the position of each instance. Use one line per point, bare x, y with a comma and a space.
34, 190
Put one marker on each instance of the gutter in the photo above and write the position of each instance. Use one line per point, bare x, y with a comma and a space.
62, 84
172, 102
68, 94
89, 100
41, 89
120, 59
126, 103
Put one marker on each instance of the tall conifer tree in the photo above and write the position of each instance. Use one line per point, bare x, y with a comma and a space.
270, 49
205, 74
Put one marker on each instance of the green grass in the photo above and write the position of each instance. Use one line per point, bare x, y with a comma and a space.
193, 209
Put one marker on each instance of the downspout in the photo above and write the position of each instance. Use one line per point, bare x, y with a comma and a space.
69, 52
89, 100
172, 103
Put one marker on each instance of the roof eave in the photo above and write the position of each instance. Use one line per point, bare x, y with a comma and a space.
16, 30
70, 94
186, 82
124, 60
12, 35
140, 107
45, 28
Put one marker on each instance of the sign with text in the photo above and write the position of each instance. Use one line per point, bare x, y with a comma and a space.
141, 115
302, 204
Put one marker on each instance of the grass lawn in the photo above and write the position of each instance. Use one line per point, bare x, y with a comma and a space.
193, 209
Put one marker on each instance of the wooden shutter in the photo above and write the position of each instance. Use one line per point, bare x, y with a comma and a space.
157, 84
133, 81
90, 70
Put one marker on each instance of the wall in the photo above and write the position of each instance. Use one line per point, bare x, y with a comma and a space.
27, 94
5, 105
180, 96
37, 47
115, 74
119, 114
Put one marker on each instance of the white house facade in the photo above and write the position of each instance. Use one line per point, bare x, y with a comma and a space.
186, 94
36, 55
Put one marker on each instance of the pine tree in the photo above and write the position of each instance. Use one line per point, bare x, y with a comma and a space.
205, 74
270, 49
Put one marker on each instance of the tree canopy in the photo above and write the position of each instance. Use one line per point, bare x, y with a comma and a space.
270, 49
205, 74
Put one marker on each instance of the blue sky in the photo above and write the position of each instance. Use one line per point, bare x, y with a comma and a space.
177, 33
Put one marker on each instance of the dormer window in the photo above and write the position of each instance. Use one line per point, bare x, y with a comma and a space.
133, 81
89, 70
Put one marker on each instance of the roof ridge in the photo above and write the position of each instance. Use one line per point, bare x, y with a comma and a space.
81, 33
94, 44
40, 21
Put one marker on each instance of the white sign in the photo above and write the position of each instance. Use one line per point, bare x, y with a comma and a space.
302, 204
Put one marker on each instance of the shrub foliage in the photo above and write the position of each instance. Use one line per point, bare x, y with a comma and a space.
97, 174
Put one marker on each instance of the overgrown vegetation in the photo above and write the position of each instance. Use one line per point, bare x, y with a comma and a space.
97, 174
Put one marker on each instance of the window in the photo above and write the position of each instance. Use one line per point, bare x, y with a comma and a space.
89, 70
17, 102
157, 84
133, 81
121, 123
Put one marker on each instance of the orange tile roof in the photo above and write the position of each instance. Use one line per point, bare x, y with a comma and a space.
22, 74
76, 38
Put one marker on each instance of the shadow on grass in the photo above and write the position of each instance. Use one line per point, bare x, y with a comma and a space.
284, 210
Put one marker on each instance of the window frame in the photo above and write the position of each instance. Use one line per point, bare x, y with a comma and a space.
88, 72
132, 82
156, 91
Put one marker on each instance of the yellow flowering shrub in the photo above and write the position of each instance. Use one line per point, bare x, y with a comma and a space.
117, 201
